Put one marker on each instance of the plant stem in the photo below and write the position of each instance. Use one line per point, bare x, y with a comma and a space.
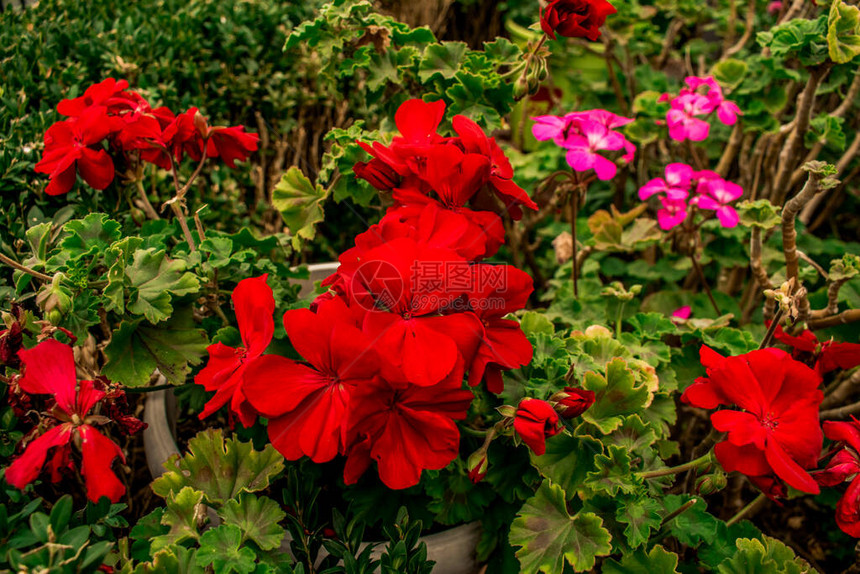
574, 208
147, 206
703, 460
746, 509
620, 319
151, 389
23, 268
774, 323
701, 274
683, 508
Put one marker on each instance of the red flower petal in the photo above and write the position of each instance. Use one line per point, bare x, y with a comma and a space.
276, 385
418, 120
49, 368
27, 467
99, 453
255, 304
788, 470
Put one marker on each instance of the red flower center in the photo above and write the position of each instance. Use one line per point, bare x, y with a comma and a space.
769, 421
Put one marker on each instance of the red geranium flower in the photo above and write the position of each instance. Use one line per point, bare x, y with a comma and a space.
575, 18
475, 141
307, 404
535, 421
49, 368
225, 371
106, 93
828, 355
845, 466
497, 291
71, 146
777, 431
405, 429
572, 402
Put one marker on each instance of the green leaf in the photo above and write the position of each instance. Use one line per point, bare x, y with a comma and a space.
693, 526
641, 517
443, 58
843, 32
221, 469
136, 349
730, 72
766, 556
652, 325
759, 213
257, 518
827, 131
612, 230
154, 279
659, 560
219, 250
173, 560
89, 236
38, 237
183, 512
116, 259
567, 460
549, 536
533, 322
300, 204
612, 474
616, 394
222, 549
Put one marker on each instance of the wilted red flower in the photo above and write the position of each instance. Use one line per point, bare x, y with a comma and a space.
49, 368
535, 421
575, 18
572, 402
71, 146
307, 404
843, 467
777, 431
225, 372
828, 355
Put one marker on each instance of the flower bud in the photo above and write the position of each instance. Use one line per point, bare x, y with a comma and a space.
477, 465
521, 87
711, 483
572, 402
534, 422
377, 173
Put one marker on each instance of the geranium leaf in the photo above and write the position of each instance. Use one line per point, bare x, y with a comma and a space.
641, 517
137, 348
184, 510
300, 204
567, 460
257, 518
612, 473
117, 257
222, 469
843, 32
759, 213
175, 559
693, 526
549, 536
154, 279
89, 236
222, 549
616, 395
443, 58
763, 556
639, 562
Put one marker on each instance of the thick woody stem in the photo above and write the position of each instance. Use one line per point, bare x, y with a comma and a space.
841, 392
748, 31
756, 265
843, 318
804, 113
731, 150
24, 269
789, 233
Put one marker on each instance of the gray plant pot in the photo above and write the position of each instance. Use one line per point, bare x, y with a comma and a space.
453, 550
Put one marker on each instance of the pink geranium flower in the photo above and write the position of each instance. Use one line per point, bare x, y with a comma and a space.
715, 195
676, 185
672, 214
582, 148
682, 121
49, 369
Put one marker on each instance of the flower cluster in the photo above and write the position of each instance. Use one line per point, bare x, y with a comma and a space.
701, 98
409, 312
844, 467
109, 113
583, 134
823, 356
775, 437
49, 369
575, 18
712, 193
